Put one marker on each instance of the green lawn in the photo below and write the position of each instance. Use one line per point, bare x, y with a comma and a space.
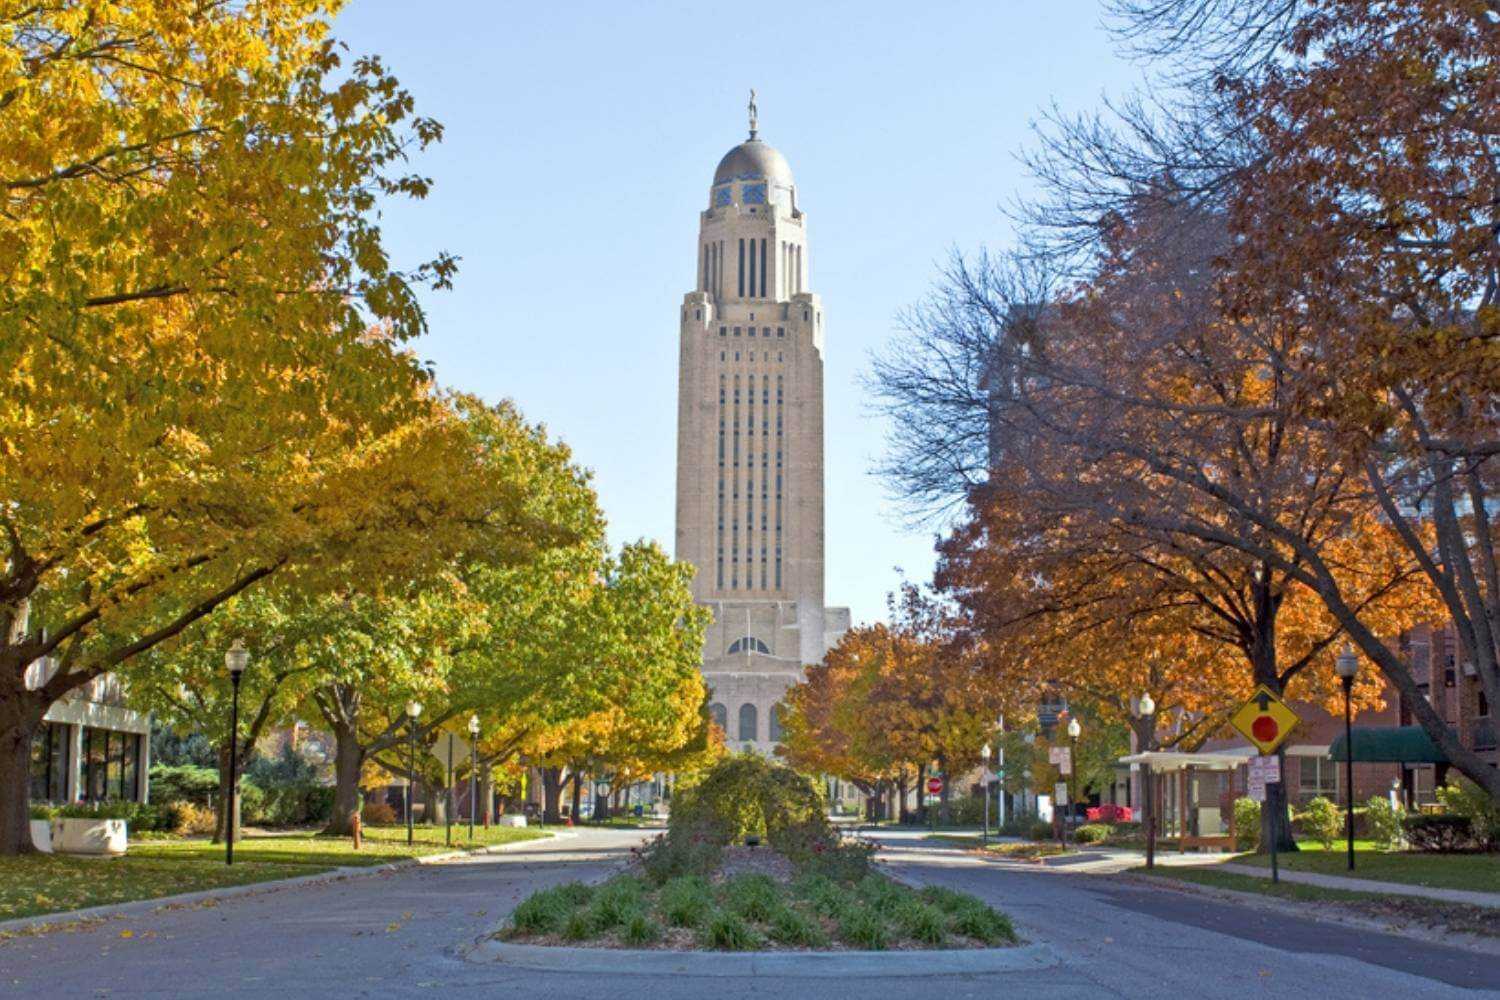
1478, 872
1398, 909
49, 883
381, 844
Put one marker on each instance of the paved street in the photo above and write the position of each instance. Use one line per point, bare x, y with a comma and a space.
398, 934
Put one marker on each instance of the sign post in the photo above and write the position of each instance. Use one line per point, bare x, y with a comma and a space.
934, 789
448, 751
1267, 721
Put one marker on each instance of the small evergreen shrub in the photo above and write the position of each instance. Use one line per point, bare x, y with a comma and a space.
1092, 833
1383, 821
1039, 830
862, 927
1462, 797
1246, 824
1322, 822
726, 930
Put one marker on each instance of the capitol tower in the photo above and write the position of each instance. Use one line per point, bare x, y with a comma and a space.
750, 443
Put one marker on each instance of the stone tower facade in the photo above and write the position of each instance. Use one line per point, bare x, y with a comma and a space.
750, 443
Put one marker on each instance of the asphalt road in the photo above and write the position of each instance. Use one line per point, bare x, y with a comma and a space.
399, 935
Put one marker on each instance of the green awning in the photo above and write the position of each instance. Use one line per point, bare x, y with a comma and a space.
1390, 744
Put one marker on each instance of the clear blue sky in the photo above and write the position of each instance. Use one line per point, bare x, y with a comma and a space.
581, 140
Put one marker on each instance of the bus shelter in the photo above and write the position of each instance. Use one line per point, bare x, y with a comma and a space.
1193, 795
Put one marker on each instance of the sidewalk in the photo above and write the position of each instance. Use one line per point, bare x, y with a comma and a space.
1466, 896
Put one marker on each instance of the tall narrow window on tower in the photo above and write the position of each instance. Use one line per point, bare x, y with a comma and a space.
752, 268
742, 268
762, 267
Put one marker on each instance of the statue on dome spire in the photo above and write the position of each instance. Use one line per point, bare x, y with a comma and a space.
753, 113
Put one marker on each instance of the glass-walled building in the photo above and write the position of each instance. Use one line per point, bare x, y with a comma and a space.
91, 747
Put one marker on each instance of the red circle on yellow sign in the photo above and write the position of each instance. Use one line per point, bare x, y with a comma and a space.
1265, 728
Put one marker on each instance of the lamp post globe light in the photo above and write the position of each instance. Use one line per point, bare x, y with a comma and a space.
1145, 708
1074, 731
235, 661
473, 771
984, 776
1347, 666
413, 712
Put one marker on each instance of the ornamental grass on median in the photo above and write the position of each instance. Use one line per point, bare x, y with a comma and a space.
700, 887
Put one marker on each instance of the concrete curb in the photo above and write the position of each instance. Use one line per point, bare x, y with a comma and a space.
740, 964
110, 911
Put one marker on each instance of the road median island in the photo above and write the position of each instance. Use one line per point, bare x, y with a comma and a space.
751, 868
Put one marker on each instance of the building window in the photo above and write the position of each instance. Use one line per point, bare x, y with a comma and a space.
49, 763
741, 272
720, 715
1319, 777
781, 331
762, 267
749, 644
774, 723
749, 724
723, 331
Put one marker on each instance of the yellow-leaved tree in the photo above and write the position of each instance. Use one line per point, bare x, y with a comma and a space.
201, 375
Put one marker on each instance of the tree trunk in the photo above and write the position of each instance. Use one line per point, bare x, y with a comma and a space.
1275, 822
221, 815
922, 794
552, 786
348, 762
903, 813
577, 780
20, 717
486, 797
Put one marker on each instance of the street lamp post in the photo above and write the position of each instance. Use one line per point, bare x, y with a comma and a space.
1074, 731
1347, 666
1146, 709
235, 660
984, 777
473, 771
413, 712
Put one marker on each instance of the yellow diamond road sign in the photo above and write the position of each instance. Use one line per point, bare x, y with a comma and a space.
1265, 720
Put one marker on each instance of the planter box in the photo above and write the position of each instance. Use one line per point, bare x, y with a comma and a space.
41, 835
89, 836
516, 820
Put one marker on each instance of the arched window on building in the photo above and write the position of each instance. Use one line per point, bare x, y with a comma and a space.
748, 722
720, 715
774, 735
749, 644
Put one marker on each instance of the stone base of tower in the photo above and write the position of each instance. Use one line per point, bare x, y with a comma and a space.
753, 652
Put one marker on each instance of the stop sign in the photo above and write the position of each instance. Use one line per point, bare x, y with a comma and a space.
934, 786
